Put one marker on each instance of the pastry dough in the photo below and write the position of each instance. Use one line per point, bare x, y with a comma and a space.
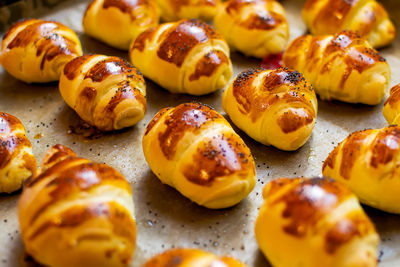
106, 92
36, 50
118, 22
274, 107
191, 258
77, 213
342, 67
17, 162
367, 17
187, 56
391, 109
173, 10
194, 149
314, 222
254, 27
367, 163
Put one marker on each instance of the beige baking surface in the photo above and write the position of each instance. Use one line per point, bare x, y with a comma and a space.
166, 219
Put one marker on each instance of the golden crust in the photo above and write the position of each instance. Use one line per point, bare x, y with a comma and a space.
173, 10
106, 92
342, 67
194, 149
276, 107
314, 222
37, 50
77, 213
366, 162
191, 57
391, 109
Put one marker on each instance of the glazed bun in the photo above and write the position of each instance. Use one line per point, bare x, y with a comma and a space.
391, 109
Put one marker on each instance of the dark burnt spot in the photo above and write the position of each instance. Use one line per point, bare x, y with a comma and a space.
209, 64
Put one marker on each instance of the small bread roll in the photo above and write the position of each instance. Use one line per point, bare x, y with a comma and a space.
173, 10
106, 92
117, 23
254, 27
77, 213
17, 162
367, 163
391, 109
367, 17
35, 51
314, 222
342, 67
189, 55
194, 149
274, 107
191, 258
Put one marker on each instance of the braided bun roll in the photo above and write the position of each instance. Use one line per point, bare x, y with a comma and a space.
106, 92
254, 27
17, 162
173, 10
191, 57
117, 23
77, 213
194, 149
342, 67
391, 109
191, 257
35, 51
314, 222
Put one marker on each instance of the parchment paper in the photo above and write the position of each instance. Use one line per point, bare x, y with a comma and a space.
166, 219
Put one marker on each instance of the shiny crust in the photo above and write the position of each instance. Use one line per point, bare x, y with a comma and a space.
191, 257
106, 19
193, 149
36, 50
77, 213
256, 27
369, 18
320, 223
366, 162
17, 162
173, 10
391, 109
276, 107
106, 92
192, 57
342, 67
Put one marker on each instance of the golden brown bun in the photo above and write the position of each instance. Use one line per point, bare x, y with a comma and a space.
36, 50
189, 55
17, 162
274, 107
367, 17
391, 109
173, 10
77, 213
191, 258
256, 28
367, 163
342, 67
106, 92
194, 149
118, 22
314, 222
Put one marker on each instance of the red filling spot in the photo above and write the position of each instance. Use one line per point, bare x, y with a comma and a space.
272, 62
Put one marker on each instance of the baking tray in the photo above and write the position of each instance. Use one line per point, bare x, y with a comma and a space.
165, 219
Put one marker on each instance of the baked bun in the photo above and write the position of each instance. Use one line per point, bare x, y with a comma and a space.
191, 257
254, 27
77, 213
173, 10
17, 162
342, 67
194, 149
391, 109
117, 23
314, 222
368, 17
367, 163
191, 57
106, 92
35, 51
